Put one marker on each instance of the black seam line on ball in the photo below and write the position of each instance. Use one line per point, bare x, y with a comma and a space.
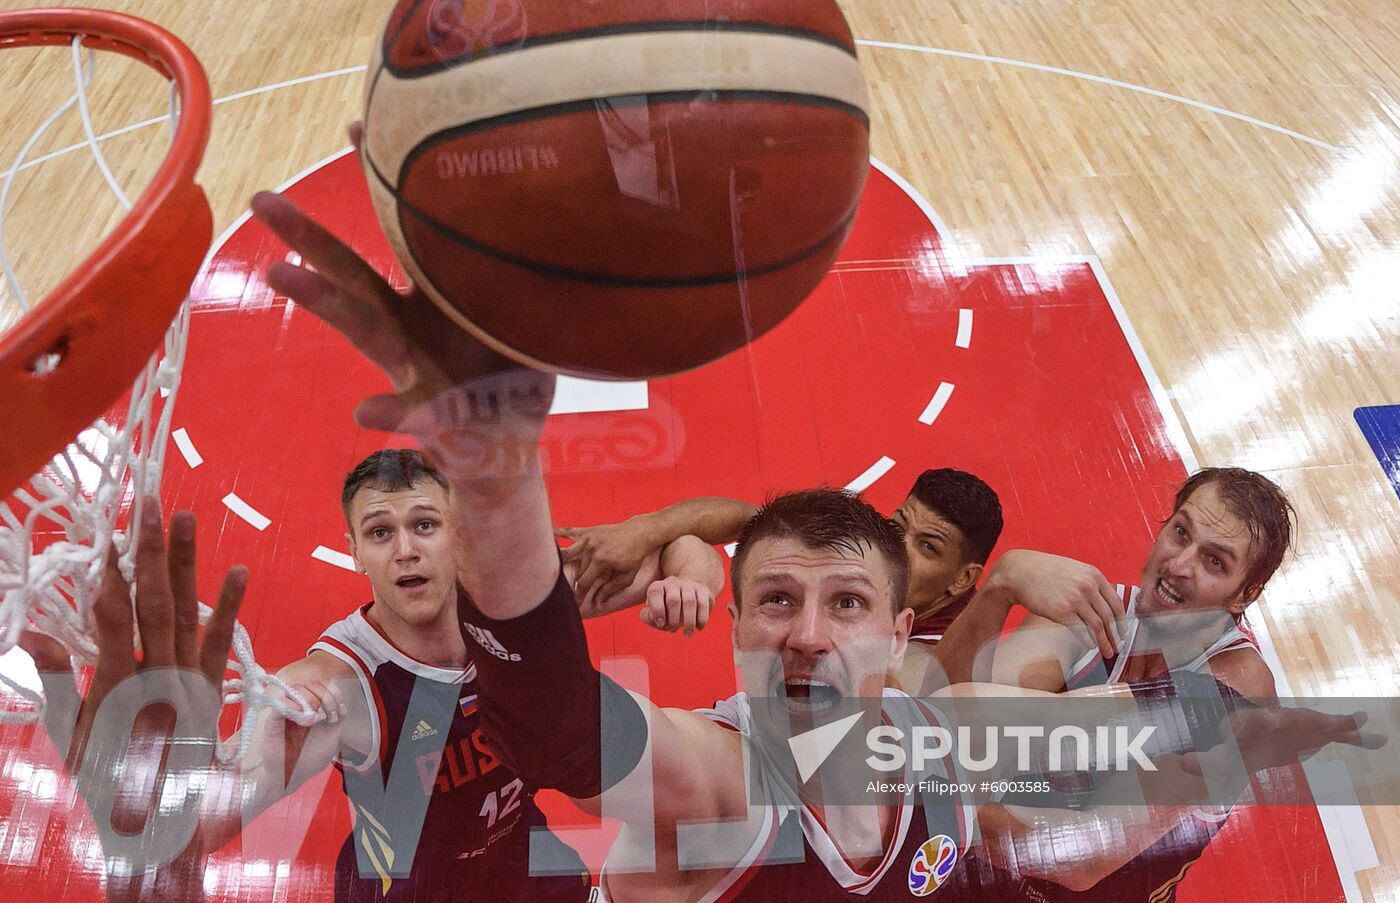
602, 279
428, 144
615, 30
598, 278
389, 40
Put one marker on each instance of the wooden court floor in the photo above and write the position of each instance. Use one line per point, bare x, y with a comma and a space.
1234, 167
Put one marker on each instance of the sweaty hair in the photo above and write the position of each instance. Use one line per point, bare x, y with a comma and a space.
390, 470
1264, 508
967, 503
827, 519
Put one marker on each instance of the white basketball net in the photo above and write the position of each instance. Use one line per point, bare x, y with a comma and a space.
56, 532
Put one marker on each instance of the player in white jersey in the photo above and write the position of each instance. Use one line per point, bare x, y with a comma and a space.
1093, 669
1225, 537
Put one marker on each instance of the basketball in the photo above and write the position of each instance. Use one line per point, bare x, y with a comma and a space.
618, 190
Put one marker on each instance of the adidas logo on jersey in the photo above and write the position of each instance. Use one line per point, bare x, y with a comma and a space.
423, 731
487, 640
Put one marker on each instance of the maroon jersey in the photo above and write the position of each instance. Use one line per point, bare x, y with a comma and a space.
930, 628
474, 844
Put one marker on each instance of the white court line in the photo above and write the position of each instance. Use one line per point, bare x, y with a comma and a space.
1101, 80
155, 120
191, 454
922, 202
1176, 430
247, 512
867, 479
1348, 836
964, 328
887, 45
935, 407
331, 556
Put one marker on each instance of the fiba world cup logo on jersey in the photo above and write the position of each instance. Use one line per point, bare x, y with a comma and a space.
465, 27
932, 864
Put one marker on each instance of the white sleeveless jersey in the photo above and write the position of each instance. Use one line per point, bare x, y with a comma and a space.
1238, 636
824, 872
359, 643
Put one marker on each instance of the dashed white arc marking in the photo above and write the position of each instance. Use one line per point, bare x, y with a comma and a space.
247, 512
186, 446
936, 405
871, 475
964, 339
332, 557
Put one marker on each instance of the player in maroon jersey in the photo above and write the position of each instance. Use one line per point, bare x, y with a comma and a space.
951, 520
438, 816
398, 678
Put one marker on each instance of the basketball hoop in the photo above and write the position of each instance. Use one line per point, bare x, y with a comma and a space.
83, 345
117, 324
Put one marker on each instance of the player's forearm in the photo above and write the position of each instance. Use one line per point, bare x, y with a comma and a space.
234, 795
507, 560
714, 519
966, 651
483, 436
281, 757
691, 558
551, 716
1041, 843
231, 801
222, 814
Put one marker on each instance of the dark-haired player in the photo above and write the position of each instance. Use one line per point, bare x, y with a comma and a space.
397, 682
951, 520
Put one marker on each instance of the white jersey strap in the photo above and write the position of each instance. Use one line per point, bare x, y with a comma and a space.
735, 713
1238, 636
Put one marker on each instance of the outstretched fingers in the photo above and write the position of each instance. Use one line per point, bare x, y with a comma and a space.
181, 565
116, 654
328, 255
218, 632
343, 289
155, 606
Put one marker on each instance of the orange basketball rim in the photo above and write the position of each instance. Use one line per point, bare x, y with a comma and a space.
81, 347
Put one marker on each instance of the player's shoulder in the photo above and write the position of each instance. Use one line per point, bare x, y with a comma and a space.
713, 727
317, 665
1244, 671
716, 732
731, 713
